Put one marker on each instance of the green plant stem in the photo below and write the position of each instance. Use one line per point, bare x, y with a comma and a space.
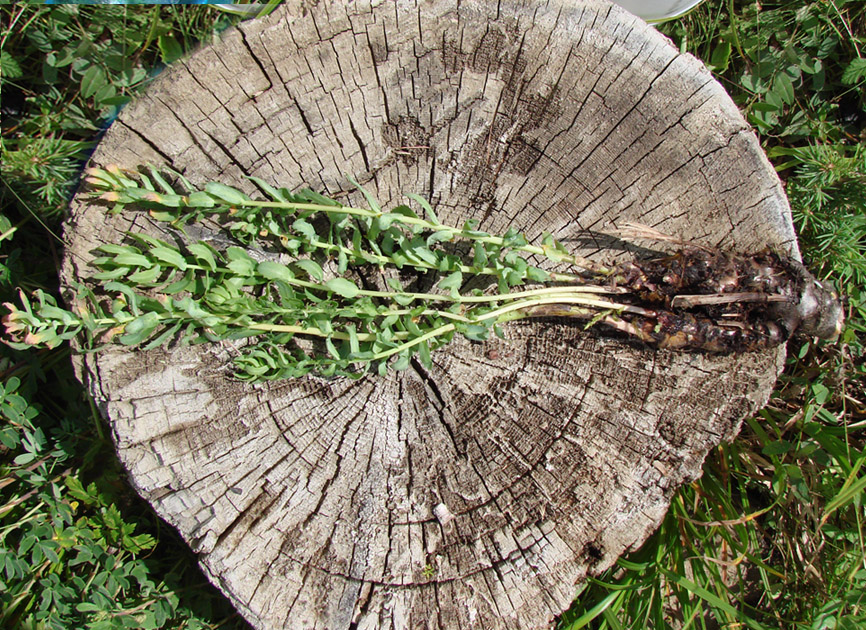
531, 299
436, 332
378, 259
488, 239
438, 297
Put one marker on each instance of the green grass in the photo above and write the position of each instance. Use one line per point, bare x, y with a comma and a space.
772, 535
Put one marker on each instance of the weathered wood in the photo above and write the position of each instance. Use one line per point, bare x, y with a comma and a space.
479, 493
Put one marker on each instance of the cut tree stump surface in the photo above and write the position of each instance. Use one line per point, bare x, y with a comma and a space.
478, 493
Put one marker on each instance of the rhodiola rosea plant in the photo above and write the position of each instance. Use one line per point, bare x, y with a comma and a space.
322, 288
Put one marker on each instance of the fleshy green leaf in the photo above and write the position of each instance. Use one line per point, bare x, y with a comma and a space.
146, 276
424, 354
384, 221
170, 256
191, 308
405, 211
401, 363
132, 260
343, 287
200, 199
426, 206
305, 229
203, 254
354, 345
273, 193
160, 181
111, 274
332, 349
240, 262
226, 193
371, 200
274, 271
311, 268
110, 248
139, 329
441, 235
476, 332
480, 258
452, 282
535, 274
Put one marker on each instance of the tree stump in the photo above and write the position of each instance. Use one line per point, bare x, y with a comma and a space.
479, 493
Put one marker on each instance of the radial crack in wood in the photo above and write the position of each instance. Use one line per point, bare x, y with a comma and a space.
479, 492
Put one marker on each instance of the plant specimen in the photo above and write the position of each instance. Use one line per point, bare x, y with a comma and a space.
336, 302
